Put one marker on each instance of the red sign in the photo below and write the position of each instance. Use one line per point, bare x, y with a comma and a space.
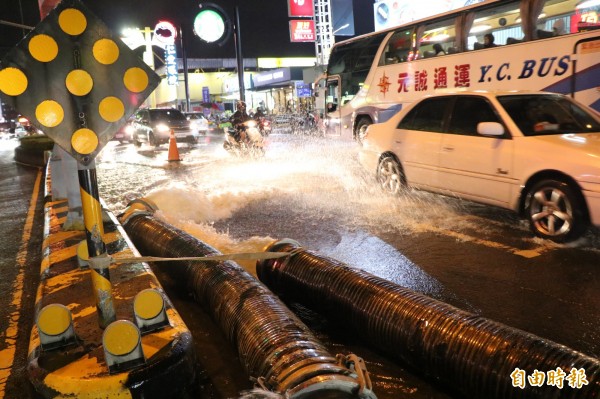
302, 30
301, 8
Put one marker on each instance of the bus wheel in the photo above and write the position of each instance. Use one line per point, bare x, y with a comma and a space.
361, 129
555, 211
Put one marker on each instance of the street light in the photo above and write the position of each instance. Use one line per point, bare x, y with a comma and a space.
134, 38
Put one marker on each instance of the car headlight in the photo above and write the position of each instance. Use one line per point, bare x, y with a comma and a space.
162, 128
129, 129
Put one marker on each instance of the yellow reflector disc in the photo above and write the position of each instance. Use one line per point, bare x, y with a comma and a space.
82, 250
111, 109
13, 81
135, 80
54, 319
105, 51
72, 21
43, 48
49, 113
79, 82
84, 141
121, 338
148, 304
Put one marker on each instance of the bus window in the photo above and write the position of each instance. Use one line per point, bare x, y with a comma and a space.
398, 48
586, 17
502, 21
566, 16
439, 32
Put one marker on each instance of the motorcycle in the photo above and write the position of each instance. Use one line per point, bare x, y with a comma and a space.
264, 126
245, 139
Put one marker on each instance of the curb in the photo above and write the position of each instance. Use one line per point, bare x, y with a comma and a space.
79, 369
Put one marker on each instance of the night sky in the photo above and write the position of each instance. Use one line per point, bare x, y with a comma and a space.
264, 23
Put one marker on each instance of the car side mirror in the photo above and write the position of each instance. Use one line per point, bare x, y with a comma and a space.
490, 129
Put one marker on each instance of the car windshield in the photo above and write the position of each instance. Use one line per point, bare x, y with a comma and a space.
548, 114
166, 115
194, 116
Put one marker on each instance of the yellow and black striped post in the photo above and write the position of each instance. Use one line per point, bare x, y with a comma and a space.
94, 232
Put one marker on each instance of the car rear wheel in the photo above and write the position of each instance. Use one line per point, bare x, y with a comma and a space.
556, 211
390, 175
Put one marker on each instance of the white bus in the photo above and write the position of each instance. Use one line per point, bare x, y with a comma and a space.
551, 45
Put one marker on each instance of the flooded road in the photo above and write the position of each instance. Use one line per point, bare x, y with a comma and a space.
479, 259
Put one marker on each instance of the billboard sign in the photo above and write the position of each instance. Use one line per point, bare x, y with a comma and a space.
301, 8
302, 30
389, 13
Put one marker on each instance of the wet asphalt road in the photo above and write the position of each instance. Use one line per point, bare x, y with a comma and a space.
479, 259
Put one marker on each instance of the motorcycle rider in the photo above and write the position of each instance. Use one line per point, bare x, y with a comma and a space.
259, 114
237, 119
260, 117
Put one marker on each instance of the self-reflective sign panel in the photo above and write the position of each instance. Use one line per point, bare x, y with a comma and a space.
75, 80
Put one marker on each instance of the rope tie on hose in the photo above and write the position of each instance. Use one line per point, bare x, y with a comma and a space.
209, 258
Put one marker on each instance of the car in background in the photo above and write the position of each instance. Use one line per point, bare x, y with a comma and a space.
533, 152
125, 132
198, 121
154, 125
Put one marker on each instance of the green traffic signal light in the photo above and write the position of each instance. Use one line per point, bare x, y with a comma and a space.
211, 24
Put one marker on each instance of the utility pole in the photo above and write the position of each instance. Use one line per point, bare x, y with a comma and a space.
237, 38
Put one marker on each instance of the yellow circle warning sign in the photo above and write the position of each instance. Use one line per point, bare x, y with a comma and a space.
75, 80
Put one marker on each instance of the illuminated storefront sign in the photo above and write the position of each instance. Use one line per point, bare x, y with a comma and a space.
301, 8
171, 63
303, 90
165, 33
302, 30
271, 77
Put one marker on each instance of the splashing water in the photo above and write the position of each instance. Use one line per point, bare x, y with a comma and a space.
320, 176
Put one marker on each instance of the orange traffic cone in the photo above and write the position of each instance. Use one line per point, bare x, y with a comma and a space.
173, 151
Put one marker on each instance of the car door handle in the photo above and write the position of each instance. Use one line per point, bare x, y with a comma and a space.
448, 148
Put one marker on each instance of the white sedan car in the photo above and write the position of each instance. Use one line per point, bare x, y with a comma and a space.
536, 153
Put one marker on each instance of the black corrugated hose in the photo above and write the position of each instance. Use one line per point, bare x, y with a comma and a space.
274, 346
472, 355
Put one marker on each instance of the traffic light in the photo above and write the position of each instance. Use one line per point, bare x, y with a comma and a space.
75, 80
212, 25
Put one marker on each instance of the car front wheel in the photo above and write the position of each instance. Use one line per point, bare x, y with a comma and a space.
390, 175
361, 129
555, 211
152, 140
